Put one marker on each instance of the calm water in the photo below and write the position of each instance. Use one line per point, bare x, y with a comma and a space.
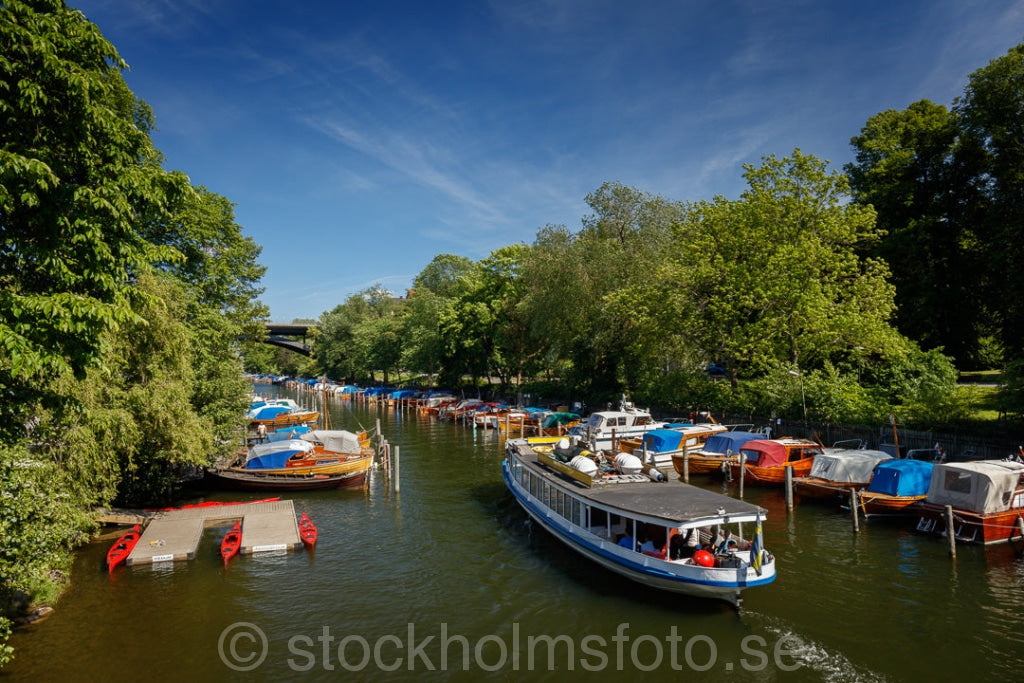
448, 573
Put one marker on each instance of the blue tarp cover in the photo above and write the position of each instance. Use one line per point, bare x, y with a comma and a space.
728, 441
662, 440
901, 477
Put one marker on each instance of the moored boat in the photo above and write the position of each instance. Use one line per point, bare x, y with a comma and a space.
230, 544
895, 486
604, 429
602, 513
236, 479
123, 547
659, 447
986, 497
717, 450
836, 471
766, 460
307, 531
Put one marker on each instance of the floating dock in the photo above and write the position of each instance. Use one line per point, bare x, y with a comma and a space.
174, 535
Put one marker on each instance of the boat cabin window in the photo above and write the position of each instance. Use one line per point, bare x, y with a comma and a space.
596, 421
959, 482
620, 421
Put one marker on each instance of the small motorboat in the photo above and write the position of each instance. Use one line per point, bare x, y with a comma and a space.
307, 530
123, 547
231, 542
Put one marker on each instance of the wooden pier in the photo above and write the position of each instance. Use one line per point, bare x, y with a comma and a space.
174, 535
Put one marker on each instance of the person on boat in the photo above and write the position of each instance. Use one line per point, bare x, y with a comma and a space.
726, 542
626, 541
649, 548
682, 547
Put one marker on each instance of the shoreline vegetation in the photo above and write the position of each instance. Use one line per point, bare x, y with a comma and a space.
130, 310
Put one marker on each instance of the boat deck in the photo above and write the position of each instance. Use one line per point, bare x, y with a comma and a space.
174, 535
672, 501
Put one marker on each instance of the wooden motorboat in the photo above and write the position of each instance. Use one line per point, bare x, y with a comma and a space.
766, 460
230, 544
837, 471
986, 498
239, 479
123, 547
307, 530
895, 486
715, 452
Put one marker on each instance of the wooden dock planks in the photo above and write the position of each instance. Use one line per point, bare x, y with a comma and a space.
174, 535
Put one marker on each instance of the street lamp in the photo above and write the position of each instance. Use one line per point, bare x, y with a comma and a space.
803, 398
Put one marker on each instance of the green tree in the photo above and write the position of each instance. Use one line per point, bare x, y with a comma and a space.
775, 278
991, 114
913, 169
77, 167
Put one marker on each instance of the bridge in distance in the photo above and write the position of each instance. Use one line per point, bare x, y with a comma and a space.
280, 334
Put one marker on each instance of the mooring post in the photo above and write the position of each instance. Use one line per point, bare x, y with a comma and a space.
853, 510
686, 463
789, 489
395, 472
950, 533
743, 468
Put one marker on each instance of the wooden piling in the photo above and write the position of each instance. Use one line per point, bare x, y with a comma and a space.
743, 469
853, 510
950, 532
395, 470
686, 462
789, 489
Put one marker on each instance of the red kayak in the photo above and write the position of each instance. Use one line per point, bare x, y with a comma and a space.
231, 542
307, 530
122, 548
215, 503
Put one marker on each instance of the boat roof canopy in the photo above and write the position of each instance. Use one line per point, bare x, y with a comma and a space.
855, 466
982, 486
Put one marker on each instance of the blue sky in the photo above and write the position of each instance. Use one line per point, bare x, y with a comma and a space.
360, 139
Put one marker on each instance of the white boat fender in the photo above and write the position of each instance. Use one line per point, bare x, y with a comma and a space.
584, 465
654, 473
627, 463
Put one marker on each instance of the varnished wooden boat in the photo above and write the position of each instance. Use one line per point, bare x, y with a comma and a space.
123, 547
986, 498
896, 486
767, 460
307, 530
242, 480
231, 542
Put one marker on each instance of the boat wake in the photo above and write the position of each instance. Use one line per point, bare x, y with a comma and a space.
811, 655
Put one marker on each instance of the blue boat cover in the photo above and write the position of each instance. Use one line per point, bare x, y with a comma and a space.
724, 442
269, 412
273, 455
901, 477
663, 440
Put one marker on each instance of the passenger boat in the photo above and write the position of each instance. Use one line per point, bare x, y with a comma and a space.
714, 453
766, 460
123, 547
230, 544
895, 486
307, 530
591, 507
605, 428
836, 471
659, 447
986, 496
